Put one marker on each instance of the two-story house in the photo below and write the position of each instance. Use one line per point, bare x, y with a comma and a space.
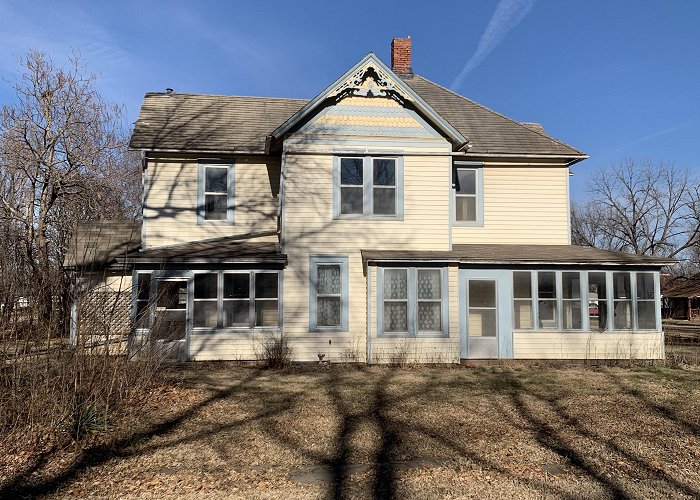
386, 217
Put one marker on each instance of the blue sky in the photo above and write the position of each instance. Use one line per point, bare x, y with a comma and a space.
615, 79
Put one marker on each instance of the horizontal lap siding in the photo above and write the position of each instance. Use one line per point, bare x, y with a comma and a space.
311, 230
226, 346
598, 345
170, 212
521, 205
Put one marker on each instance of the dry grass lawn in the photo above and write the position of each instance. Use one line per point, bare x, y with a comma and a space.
225, 431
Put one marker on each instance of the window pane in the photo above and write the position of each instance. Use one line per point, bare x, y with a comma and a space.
597, 302
144, 286
236, 312
351, 200
621, 285
351, 171
266, 285
429, 284
523, 314
236, 286
384, 172
547, 314
171, 294
482, 323
645, 286
384, 201
646, 315
482, 293
572, 314
215, 206
328, 280
395, 284
571, 285
623, 315
429, 317
205, 286
328, 311
143, 314
465, 181
266, 313
204, 313
522, 288
466, 209
395, 317
216, 179
546, 285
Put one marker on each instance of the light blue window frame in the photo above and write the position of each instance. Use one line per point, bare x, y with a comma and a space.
368, 179
413, 303
478, 168
230, 200
609, 301
314, 262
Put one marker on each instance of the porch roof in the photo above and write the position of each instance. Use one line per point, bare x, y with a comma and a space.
490, 254
226, 250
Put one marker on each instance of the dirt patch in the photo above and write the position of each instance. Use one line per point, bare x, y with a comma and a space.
218, 430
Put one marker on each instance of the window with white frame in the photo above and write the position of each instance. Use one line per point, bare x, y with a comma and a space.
328, 293
215, 192
578, 300
413, 301
230, 299
368, 187
467, 192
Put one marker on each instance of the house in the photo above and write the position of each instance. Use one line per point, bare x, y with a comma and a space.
681, 297
388, 216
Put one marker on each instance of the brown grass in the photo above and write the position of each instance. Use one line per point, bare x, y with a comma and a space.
215, 430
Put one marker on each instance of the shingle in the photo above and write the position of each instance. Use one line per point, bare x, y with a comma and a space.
217, 250
486, 130
520, 254
99, 243
193, 122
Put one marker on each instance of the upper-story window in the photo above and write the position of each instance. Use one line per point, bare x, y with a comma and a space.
368, 187
467, 191
215, 188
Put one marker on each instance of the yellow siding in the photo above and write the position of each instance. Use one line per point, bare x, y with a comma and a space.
170, 215
236, 346
598, 345
521, 205
311, 230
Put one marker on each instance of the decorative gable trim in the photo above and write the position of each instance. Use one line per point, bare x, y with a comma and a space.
372, 78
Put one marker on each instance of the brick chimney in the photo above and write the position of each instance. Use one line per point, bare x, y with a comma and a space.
401, 56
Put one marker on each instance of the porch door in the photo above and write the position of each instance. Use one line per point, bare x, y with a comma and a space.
486, 314
482, 318
170, 323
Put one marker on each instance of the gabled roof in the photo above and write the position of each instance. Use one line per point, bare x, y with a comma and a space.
683, 287
372, 61
235, 124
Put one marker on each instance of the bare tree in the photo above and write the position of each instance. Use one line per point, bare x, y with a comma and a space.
640, 207
63, 158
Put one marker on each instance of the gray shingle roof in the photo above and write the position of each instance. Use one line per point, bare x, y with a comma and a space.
217, 123
521, 254
486, 130
98, 244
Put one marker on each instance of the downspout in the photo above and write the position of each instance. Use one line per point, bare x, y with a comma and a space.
280, 209
73, 330
369, 314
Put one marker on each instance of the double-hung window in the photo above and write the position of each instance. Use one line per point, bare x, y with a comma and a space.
215, 190
412, 302
368, 187
236, 299
467, 189
328, 293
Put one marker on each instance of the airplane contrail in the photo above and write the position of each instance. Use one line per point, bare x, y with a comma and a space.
507, 16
